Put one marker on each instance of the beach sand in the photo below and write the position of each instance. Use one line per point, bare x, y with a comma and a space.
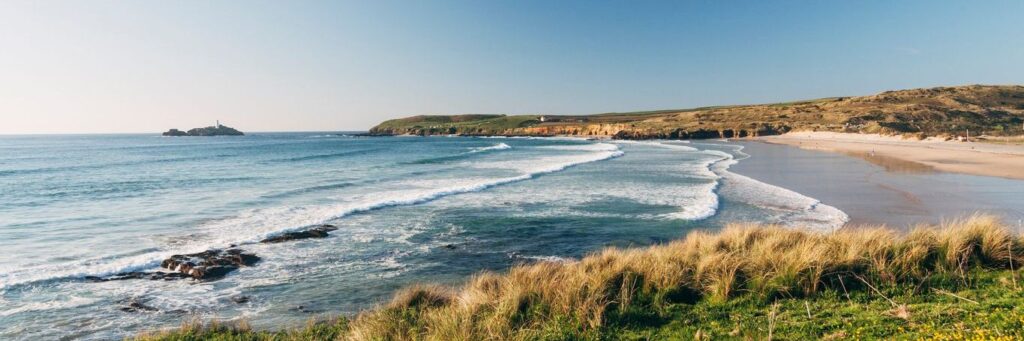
882, 189
1002, 160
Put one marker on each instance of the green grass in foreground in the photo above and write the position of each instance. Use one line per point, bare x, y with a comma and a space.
949, 282
987, 308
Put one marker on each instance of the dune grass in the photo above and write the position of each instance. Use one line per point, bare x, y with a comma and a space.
950, 281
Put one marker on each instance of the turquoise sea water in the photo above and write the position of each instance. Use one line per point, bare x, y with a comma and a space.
409, 209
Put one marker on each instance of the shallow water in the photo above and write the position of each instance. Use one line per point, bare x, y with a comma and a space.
874, 190
409, 209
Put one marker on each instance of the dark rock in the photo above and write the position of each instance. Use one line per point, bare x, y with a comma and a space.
175, 132
450, 246
210, 264
316, 232
206, 265
136, 306
240, 299
305, 309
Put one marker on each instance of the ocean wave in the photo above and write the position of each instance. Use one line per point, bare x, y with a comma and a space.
310, 189
255, 225
550, 259
793, 208
500, 146
460, 156
65, 302
325, 156
42, 170
548, 138
660, 144
590, 147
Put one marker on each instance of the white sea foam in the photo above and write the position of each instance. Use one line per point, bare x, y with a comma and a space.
660, 144
500, 146
254, 225
64, 302
591, 147
689, 186
551, 259
793, 209
550, 138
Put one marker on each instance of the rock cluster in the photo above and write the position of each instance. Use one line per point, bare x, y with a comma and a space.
212, 264
209, 264
316, 232
206, 265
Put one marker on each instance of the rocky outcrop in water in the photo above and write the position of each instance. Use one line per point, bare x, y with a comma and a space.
210, 264
205, 266
219, 130
316, 232
135, 305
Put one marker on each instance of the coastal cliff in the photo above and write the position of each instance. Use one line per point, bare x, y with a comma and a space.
941, 111
219, 130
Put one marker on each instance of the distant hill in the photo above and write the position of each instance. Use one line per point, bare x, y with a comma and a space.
941, 111
219, 130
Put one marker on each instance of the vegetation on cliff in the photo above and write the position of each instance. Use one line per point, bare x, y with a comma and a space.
954, 281
942, 111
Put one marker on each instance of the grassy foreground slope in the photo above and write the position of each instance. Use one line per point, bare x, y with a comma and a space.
943, 111
949, 282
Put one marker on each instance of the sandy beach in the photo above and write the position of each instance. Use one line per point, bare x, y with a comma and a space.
1001, 160
881, 190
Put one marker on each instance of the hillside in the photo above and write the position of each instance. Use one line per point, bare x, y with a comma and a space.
942, 111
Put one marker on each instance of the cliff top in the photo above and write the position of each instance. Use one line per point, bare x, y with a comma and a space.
927, 112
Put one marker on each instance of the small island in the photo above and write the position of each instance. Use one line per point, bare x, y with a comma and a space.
217, 130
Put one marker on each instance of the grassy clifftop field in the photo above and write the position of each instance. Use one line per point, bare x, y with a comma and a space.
943, 111
957, 281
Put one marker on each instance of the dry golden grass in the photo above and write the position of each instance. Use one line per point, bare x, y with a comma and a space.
769, 261
575, 300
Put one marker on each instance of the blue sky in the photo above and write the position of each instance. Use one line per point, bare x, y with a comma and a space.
146, 66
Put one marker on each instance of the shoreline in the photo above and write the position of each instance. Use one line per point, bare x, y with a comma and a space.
879, 190
974, 158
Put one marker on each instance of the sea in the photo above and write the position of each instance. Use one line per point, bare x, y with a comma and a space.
408, 210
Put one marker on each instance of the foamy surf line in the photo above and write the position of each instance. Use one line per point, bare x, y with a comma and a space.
797, 209
300, 218
500, 146
794, 209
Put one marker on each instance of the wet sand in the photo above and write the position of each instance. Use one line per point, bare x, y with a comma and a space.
1002, 160
877, 189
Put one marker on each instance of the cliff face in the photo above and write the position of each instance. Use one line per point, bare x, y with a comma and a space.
925, 112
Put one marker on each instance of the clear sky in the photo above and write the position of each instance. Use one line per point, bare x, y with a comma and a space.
146, 66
